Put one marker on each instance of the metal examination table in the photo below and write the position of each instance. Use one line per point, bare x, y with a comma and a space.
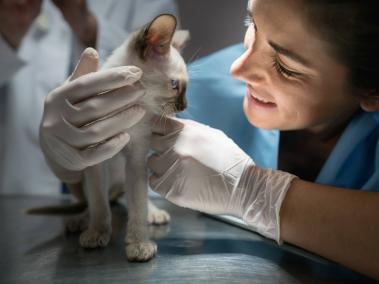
193, 248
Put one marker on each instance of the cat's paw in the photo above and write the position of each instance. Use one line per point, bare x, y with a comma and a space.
157, 216
76, 223
141, 251
93, 238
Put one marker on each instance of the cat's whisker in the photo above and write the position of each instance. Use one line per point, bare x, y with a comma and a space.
162, 116
192, 107
193, 57
195, 74
189, 109
150, 105
163, 121
195, 66
166, 121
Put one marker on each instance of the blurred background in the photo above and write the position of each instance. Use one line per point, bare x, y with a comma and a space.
213, 24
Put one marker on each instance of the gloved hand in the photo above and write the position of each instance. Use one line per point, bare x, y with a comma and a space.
85, 120
199, 167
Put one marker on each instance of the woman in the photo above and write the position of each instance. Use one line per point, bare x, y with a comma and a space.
310, 71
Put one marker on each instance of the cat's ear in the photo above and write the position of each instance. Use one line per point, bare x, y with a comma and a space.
156, 38
180, 39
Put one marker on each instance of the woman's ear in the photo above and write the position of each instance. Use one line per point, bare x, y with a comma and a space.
370, 102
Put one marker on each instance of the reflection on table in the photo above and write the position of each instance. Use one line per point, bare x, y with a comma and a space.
193, 248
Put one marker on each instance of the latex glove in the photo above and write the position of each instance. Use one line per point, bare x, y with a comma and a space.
199, 167
85, 120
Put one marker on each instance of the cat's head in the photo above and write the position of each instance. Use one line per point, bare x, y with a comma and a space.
156, 50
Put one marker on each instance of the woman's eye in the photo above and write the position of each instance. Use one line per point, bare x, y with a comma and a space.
175, 84
284, 71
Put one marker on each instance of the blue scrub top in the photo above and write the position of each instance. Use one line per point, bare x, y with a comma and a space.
215, 98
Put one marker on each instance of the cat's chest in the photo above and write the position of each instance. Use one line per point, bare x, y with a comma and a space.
142, 129
140, 135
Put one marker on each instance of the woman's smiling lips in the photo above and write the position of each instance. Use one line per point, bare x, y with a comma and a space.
255, 100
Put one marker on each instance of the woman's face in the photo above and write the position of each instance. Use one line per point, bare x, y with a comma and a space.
292, 82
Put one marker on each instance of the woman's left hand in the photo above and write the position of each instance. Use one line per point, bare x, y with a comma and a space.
199, 167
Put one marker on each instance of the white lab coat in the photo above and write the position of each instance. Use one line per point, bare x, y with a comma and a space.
44, 60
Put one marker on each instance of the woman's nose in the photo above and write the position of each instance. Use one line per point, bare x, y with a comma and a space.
249, 67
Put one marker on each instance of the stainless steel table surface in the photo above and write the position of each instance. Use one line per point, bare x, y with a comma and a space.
193, 248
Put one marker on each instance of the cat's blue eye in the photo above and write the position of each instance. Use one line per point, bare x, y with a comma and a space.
175, 84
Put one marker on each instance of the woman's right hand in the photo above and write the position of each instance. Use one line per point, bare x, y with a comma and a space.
85, 120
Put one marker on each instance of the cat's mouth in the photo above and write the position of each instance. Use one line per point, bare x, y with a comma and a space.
172, 107
181, 103
176, 104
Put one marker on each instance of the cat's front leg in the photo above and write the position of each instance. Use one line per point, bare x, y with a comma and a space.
138, 245
99, 228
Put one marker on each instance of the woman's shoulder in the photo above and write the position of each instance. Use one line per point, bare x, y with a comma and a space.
354, 162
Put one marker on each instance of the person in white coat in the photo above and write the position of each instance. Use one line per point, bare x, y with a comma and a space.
40, 41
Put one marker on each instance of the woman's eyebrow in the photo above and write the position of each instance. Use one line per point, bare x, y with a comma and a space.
289, 54
294, 56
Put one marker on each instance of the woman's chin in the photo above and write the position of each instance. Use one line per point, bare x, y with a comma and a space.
260, 121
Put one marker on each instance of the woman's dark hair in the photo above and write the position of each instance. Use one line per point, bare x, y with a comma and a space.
352, 29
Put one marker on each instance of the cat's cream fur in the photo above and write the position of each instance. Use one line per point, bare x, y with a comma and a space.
155, 49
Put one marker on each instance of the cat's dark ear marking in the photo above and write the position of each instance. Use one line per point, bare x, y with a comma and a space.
157, 36
141, 45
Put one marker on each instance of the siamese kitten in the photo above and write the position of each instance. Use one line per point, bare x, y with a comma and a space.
155, 49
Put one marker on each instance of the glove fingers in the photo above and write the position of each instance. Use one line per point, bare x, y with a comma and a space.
165, 125
161, 144
65, 155
103, 151
159, 185
167, 178
101, 130
95, 83
153, 182
102, 105
88, 62
159, 164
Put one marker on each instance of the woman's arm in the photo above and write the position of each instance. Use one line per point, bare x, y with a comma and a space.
217, 177
339, 224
